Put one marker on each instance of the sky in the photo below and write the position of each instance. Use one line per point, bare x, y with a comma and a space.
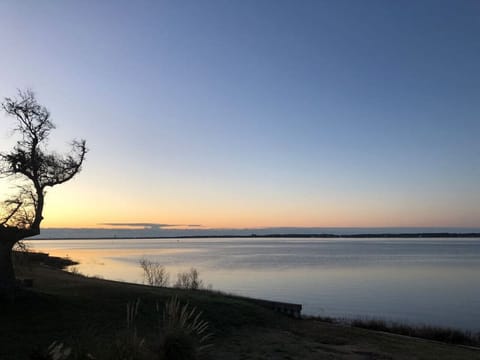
234, 114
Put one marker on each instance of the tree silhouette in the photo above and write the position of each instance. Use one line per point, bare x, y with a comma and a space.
33, 169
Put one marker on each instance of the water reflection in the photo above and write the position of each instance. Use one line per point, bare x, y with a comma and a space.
420, 281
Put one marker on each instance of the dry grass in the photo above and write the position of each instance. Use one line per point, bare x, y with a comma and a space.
185, 335
437, 333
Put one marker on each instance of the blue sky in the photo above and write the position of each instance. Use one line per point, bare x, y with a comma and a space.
256, 113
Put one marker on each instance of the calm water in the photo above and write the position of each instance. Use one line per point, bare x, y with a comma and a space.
433, 281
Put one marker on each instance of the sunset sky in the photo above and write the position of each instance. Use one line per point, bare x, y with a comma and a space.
255, 113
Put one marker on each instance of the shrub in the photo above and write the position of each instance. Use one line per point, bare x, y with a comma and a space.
74, 271
154, 274
189, 280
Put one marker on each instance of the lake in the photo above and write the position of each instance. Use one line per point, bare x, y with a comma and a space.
418, 281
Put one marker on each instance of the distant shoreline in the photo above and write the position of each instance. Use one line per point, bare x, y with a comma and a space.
427, 235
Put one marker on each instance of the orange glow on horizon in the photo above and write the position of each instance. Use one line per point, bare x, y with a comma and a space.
75, 206
251, 220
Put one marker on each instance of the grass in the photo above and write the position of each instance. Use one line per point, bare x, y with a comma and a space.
88, 315
184, 333
437, 333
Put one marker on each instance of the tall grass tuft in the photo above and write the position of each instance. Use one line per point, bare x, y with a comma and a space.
185, 336
128, 345
56, 351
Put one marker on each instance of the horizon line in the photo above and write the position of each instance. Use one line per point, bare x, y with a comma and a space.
202, 228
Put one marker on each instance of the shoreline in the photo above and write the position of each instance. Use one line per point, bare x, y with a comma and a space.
288, 308
426, 235
243, 329
312, 303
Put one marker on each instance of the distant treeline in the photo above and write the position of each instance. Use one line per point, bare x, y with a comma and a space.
386, 235
289, 235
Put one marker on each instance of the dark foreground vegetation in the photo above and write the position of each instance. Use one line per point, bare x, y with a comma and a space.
68, 316
437, 333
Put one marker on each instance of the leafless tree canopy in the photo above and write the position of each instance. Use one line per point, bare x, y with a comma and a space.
31, 164
154, 274
32, 168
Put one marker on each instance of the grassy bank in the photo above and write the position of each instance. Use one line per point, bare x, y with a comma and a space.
89, 316
437, 333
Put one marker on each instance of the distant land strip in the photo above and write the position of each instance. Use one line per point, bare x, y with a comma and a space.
289, 235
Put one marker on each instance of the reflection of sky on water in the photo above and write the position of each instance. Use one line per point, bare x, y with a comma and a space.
428, 281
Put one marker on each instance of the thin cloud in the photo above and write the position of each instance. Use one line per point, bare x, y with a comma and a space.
148, 225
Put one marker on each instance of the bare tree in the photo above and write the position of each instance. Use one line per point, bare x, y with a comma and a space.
154, 274
33, 169
189, 280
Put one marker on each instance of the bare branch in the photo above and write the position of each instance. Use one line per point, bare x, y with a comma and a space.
30, 159
57, 170
12, 212
33, 119
20, 210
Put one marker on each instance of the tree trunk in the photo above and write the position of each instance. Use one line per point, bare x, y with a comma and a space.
7, 274
9, 236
